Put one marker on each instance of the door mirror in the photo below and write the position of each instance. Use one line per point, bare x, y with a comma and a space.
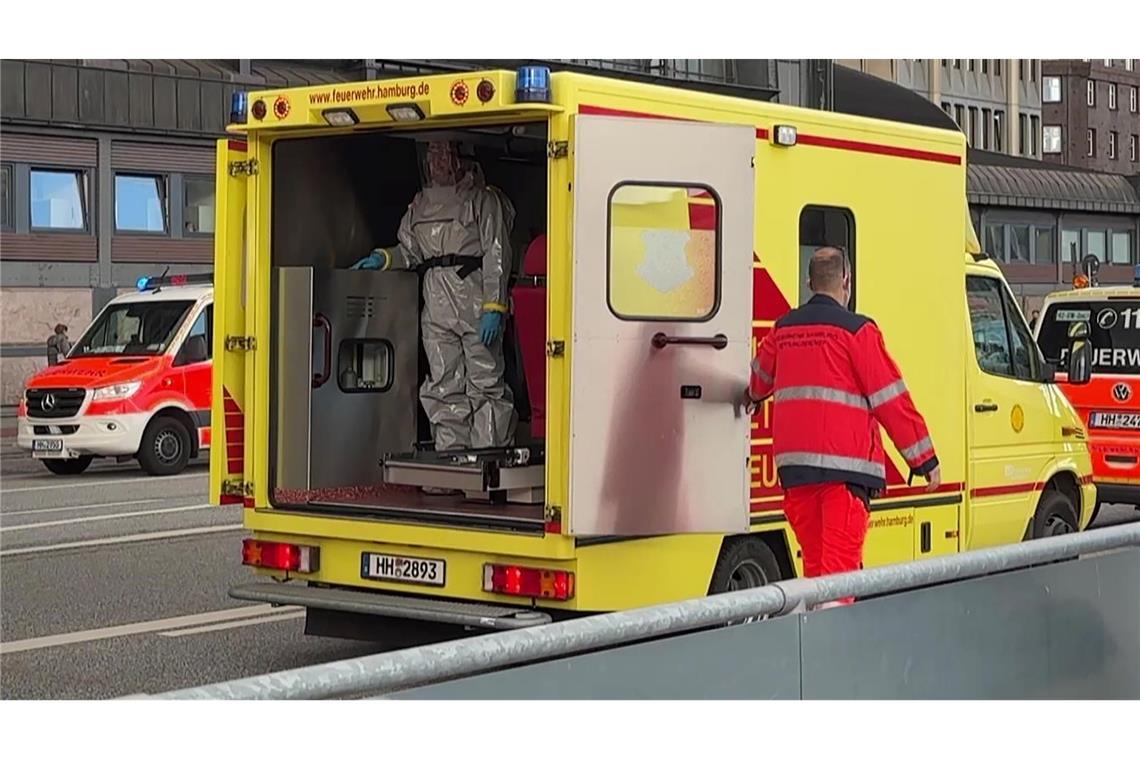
1048, 373
1080, 354
194, 351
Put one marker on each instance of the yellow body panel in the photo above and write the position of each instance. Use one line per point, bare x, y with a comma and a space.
910, 271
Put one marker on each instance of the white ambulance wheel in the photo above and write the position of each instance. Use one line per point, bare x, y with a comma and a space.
165, 448
68, 466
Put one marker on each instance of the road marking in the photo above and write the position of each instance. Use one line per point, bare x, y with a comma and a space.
236, 623
91, 482
85, 506
129, 539
131, 629
94, 518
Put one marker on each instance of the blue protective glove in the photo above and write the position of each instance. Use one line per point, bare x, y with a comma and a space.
490, 327
378, 259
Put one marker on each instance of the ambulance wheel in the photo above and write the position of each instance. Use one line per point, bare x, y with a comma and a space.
1056, 516
165, 448
745, 562
68, 466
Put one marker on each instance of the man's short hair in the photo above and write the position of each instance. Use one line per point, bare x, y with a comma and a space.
827, 267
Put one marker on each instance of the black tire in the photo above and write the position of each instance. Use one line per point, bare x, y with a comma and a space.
1056, 515
165, 447
68, 466
1096, 513
744, 563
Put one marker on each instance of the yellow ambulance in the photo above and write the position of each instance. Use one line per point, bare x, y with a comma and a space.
658, 235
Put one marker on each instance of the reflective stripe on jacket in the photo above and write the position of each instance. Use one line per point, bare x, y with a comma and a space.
833, 384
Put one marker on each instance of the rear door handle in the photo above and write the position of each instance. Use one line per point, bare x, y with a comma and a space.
661, 340
987, 406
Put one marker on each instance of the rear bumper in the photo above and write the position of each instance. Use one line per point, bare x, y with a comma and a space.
97, 435
470, 614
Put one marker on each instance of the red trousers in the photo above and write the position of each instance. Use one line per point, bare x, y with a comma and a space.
830, 524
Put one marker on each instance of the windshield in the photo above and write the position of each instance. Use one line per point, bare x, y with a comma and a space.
1114, 330
133, 329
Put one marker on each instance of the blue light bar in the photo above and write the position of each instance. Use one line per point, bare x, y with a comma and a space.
237, 107
175, 280
532, 85
142, 283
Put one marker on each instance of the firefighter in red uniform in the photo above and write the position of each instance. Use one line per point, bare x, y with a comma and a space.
833, 384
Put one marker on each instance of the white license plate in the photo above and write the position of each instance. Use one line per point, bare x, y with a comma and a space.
390, 567
47, 447
1118, 420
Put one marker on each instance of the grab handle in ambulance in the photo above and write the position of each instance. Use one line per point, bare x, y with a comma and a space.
661, 340
321, 321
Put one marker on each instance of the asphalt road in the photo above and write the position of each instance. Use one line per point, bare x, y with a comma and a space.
114, 583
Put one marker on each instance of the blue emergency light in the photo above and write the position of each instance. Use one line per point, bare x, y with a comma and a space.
154, 283
532, 85
237, 107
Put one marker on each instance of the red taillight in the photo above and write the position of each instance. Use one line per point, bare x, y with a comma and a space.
485, 91
534, 582
278, 556
258, 108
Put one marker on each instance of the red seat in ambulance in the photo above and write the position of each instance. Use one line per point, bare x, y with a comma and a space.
529, 296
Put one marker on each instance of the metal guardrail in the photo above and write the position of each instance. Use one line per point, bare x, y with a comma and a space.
395, 671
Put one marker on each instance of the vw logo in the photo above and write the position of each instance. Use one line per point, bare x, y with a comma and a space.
47, 403
1122, 392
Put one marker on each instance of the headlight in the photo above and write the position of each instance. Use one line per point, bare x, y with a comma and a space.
115, 392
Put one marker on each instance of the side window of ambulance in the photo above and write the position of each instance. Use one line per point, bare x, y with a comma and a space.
822, 226
987, 322
204, 326
1026, 359
664, 252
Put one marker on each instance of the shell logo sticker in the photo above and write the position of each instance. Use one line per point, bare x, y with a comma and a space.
1017, 418
460, 92
281, 107
1122, 392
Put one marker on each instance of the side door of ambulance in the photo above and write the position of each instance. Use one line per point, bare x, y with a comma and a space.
228, 396
662, 315
196, 371
1012, 427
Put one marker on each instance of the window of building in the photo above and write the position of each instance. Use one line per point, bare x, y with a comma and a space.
657, 272
972, 135
949, 109
1021, 69
945, 63
1133, 147
1034, 131
825, 226
985, 65
1129, 64
1121, 252
1096, 241
997, 67
1051, 90
5, 196
987, 120
958, 63
1070, 245
1112, 96
1043, 252
140, 203
1090, 142
995, 241
58, 199
1051, 138
1033, 70
971, 63
1091, 90
1023, 134
1108, 62
999, 130
1112, 144
198, 205
960, 117
1132, 98
1018, 251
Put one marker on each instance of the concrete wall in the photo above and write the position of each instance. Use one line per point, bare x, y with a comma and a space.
27, 317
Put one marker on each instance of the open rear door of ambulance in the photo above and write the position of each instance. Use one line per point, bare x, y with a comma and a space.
662, 325
228, 478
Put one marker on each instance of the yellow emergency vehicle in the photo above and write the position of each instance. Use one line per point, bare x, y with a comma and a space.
660, 232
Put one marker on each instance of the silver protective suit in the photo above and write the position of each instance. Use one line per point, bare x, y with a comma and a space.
465, 395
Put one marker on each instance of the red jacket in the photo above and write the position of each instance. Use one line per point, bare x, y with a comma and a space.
834, 384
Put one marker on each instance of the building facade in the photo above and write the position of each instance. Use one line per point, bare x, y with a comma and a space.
1091, 114
995, 102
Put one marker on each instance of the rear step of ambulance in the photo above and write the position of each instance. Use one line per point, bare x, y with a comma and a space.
470, 614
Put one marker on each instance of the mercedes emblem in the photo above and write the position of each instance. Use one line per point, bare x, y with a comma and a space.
47, 403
